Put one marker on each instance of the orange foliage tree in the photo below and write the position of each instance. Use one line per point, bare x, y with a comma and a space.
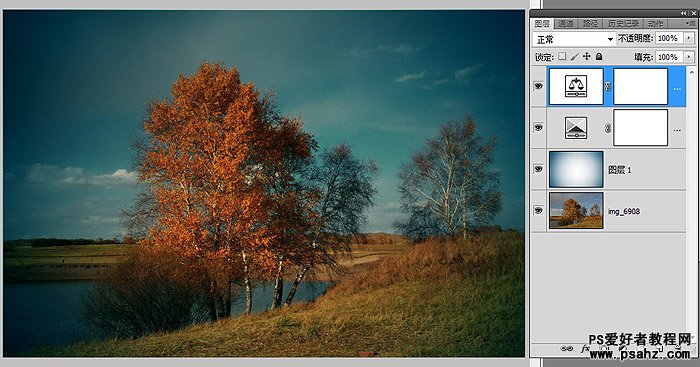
234, 189
205, 167
571, 212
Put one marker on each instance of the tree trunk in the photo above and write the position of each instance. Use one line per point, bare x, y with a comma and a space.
465, 198
248, 296
293, 290
211, 300
465, 227
279, 286
246, 282
227, 310
212, 308
219, 302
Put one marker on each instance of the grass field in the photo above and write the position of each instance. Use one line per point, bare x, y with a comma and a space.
74, 262
463, 298
58, 255
587, 223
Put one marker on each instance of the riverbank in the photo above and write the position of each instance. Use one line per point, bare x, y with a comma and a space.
435, 299
49, 314
32, 273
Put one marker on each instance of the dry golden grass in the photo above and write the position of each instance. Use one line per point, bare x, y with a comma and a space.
463, 298
587, 223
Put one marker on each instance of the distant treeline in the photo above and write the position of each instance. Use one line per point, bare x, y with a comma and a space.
45, 242
378, 238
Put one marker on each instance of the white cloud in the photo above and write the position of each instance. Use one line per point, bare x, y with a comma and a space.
45, 173
407, 77
381, 217
436, 83
75, 176
467, 71
461, 76
120, 176
99, 219
399, 49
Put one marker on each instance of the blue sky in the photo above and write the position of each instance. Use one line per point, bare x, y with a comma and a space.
76, 83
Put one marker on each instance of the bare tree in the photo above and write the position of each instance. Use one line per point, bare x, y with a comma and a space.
140, 216
344, 187
449, 188
149, 291
420, 224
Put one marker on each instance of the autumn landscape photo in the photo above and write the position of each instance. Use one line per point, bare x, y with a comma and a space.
265, 184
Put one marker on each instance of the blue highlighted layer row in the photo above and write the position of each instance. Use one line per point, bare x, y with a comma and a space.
676, 86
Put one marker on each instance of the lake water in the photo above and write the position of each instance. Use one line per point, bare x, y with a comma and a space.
50, 313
